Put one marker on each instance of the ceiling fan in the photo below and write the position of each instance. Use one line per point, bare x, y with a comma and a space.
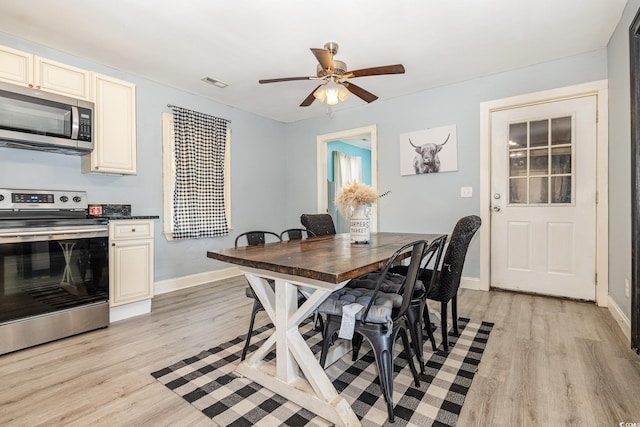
335, 75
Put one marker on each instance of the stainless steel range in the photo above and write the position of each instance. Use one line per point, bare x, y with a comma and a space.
54, 267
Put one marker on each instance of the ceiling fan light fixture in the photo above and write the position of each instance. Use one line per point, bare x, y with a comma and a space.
320, 94
331, 92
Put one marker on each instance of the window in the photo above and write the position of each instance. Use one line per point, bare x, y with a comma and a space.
169, 175
541, 162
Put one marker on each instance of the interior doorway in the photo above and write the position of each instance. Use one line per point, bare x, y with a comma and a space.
363, 137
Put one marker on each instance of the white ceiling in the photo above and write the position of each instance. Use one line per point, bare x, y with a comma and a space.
239, 42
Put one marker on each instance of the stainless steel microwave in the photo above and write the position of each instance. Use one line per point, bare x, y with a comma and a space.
37, 120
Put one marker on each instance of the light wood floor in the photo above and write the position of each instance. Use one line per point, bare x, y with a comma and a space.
549, 362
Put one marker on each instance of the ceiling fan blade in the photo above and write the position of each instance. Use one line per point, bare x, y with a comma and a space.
324, 58
285, 79
309, 99
359, 92
376, 71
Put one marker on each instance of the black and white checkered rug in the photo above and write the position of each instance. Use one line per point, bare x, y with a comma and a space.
209, 383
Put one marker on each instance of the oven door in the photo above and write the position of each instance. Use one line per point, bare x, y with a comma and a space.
44, 270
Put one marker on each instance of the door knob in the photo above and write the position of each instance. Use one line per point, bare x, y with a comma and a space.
496, 208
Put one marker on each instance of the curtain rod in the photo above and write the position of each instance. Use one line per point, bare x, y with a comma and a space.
194, 111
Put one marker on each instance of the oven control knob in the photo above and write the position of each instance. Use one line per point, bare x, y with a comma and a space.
77, 199
1, 197
64, 199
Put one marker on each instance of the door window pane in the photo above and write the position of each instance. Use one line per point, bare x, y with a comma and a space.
518, 190
539, 133
561, 160
539, 162
561, 189
518, 163
517, 135
561, 130
539, 190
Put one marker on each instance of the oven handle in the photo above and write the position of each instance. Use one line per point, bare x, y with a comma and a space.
14, 236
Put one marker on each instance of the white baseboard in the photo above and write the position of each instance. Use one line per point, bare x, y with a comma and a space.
184, 282
471, 283
620, 318
125, 311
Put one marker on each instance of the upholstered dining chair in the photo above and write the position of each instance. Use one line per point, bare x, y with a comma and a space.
319, 224
379, 319
296, 234
444, 288
254, 238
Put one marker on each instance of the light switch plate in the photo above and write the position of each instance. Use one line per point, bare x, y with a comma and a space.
466, 191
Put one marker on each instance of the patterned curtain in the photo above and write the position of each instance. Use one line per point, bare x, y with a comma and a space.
198, 199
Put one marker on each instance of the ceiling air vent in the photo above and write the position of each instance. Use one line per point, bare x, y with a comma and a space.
214, 82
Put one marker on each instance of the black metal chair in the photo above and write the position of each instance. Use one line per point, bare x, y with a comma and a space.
296, 234
254, 238
446, 282
319, 224
380, 320
393, 283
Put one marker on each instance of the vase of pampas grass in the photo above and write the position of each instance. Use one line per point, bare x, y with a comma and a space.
354, 200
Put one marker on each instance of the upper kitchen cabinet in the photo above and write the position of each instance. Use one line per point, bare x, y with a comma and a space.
114, 127
25, 69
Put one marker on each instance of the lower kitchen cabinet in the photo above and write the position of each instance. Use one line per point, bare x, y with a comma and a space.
130, 267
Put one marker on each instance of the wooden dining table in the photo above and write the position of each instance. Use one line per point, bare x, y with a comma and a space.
316, 267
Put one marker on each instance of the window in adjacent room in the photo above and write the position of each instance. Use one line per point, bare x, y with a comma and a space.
196, 202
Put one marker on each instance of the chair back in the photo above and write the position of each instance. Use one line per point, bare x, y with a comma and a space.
432, 257
257, 237
319, 224
418, 251
296, 233
453, 261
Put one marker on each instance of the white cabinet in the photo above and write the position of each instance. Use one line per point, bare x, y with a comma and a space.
16, 66
44, 74
130, 261
114, 127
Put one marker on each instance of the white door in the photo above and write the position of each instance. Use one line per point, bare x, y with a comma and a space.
543, 190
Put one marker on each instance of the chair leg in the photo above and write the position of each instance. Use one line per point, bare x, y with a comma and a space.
427, 325
443, 324
414, 321
407, 349
382, 346
356, 343
331, 326
256, 307
454, 314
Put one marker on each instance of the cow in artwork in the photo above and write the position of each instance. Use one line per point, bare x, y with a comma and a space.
427, 160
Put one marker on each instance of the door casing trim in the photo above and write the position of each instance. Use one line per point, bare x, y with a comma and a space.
600, 90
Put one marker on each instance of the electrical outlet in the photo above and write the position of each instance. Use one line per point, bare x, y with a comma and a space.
466, 191
626, 287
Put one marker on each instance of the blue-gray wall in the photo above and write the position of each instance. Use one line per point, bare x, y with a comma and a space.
620, 160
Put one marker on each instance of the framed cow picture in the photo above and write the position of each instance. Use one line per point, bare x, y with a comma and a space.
429, 151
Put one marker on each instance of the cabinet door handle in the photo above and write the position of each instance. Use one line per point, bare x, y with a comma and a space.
133, 230
113, 244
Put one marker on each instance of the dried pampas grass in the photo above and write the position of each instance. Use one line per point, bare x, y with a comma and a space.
355, 194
